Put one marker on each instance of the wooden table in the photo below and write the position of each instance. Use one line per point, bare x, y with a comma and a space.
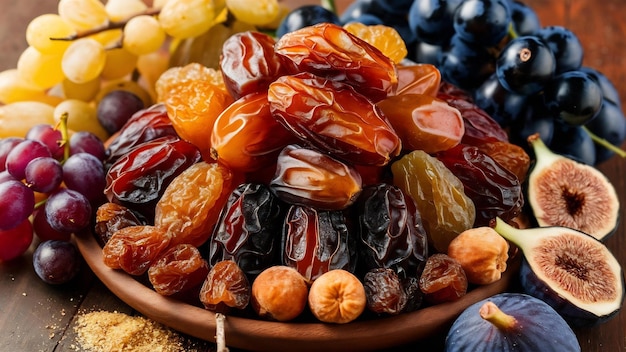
35, 316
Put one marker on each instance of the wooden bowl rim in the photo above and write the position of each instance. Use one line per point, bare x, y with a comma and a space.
260, 335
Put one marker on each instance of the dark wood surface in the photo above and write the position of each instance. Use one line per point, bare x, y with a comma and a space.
35, 316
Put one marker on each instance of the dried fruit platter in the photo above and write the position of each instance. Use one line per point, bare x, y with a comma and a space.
253, 334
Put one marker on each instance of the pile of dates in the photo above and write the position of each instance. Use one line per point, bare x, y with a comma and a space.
331, 156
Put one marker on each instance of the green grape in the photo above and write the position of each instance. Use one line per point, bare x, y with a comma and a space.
111, 38
83, 60
187, 18
19, 117
82, 91
13, 88
258, 12
119, 63
42, 28
143, 35
83, 14
81, 116
119, 10
41, 70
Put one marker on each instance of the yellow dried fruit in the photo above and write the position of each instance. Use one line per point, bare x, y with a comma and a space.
483, 254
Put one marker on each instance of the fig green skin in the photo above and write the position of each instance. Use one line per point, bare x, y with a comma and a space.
539, 328
575, 316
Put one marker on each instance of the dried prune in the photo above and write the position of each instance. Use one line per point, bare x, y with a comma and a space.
308, 177
443, 279
246, 137
391, 234
134, 248
333, 117
138, 179
178, 269
330, 51
384, 291
439, 195
111, 217
494, 190
191, 203
226, 286
144, 126
248, 63
248, 229
316, 241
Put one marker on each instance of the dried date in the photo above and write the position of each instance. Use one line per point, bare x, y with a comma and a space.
316, 241
334, 118
330, 51
307, 177
391, 234
495, 191
248, 229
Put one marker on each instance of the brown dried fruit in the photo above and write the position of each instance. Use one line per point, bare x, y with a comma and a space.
134, 248
178, 269
225, 286
443, 279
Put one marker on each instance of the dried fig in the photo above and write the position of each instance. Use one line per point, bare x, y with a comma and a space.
570, 270
564, 192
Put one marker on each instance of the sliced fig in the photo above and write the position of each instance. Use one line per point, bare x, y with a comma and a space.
570, 270
511, 322
564, 192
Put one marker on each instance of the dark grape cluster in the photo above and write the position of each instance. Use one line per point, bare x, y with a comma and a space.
530, 78
56, 179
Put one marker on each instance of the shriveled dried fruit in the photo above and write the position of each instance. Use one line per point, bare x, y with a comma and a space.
494, 190
337, 297
308, 177
482, 253
390, 231
190, 205
510, 156
384, 291
111, 217
441, 201
249, 63
246, 137
190, 72
139, 178
316, 241
279, 293
134, 248
226, 286
178, 269
333, 117
248, 229
329, 51
443, 279
193, 108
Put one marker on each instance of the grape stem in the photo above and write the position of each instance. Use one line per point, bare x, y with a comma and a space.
108, 26
606, 144
65, 138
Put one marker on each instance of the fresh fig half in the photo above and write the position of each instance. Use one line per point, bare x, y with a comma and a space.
570, 270
564, 192
511, 322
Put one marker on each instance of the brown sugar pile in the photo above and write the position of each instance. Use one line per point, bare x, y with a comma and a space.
103, 331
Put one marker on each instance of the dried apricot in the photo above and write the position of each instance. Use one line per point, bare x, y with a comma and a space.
189, 207
226, 286
384, 38
337, 296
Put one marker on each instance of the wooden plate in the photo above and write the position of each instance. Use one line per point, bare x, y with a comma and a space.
258, 335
